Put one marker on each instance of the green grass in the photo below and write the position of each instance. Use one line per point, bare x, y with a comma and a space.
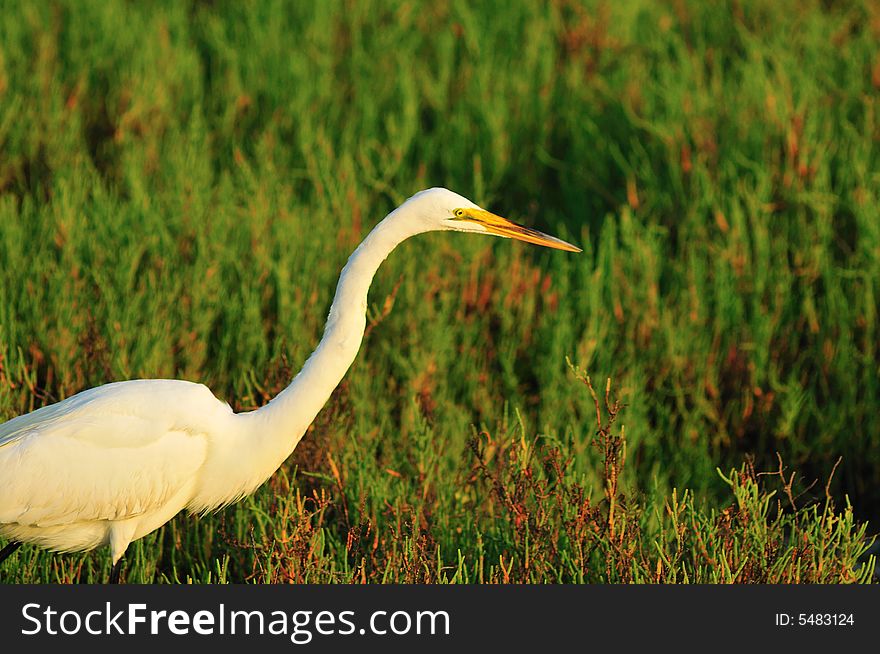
180, 184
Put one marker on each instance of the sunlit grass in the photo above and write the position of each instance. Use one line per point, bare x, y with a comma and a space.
180, 184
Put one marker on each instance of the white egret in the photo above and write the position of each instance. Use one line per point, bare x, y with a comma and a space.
113, 463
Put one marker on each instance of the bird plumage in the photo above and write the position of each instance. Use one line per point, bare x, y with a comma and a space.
113, 463
120, 456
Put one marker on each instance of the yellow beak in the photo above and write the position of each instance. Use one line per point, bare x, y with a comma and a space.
503, 227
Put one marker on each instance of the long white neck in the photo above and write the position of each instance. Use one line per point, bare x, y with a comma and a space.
276, 428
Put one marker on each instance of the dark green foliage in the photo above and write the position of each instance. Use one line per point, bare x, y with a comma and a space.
180, 184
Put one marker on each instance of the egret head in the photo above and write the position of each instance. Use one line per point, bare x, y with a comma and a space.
441, 209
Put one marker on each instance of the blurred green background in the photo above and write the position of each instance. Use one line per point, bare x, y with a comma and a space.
181, 182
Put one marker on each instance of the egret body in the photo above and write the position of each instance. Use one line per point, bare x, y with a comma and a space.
113, 463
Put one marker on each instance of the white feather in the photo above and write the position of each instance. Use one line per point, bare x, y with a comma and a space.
111, 464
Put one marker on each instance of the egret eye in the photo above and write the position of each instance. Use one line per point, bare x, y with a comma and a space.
458, 213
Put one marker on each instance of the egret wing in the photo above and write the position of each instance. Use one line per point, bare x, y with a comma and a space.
110, 453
